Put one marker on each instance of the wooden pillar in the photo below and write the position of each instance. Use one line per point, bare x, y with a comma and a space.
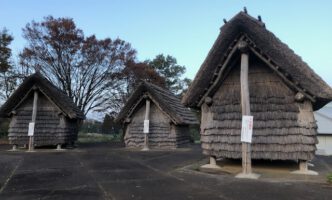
213, 160
303, 169
147, 118
13, 121
34, 115
58, 147
303, 166
14, 147
245, 104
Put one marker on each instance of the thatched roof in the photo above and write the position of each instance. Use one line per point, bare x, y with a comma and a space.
166, 101
58, 97
264, 44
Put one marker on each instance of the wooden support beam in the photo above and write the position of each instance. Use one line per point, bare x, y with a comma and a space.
33, 118
58, 147
213, 160
147, 109
147, 117
303, 169
245, 104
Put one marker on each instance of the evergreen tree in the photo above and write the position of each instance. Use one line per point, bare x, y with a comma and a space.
106, 127
168, 68
5, 51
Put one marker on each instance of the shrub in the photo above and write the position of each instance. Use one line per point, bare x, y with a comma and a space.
329, 178
4, 124
194, 134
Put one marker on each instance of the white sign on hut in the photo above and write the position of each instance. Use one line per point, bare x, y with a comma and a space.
246, 130
249, 71
53, 114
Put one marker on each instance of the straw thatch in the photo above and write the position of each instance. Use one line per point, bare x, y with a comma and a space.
283, 90
57, 116
169, 119
286, 62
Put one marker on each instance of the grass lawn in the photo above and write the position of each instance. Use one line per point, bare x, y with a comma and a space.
97, 137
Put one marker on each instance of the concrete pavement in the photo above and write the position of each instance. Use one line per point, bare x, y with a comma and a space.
105, 171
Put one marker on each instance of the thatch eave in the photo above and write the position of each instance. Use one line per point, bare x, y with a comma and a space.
55, 95
167, 102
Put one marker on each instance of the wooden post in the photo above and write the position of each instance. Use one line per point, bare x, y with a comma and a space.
245, 104
147, 117
34, 115
213, 160
303, 169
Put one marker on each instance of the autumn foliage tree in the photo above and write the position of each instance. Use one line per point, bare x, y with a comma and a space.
86, 68
134, 73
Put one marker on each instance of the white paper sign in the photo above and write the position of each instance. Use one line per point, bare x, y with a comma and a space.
146, 126
31, 129
246, 131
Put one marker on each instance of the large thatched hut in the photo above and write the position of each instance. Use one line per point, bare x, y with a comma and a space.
283, 93
169, 120
56, 116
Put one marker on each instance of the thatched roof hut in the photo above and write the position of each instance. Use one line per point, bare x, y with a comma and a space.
57, 117
284, 92
168, 119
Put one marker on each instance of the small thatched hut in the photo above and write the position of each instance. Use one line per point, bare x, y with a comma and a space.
283, 91
168, 119
56, 118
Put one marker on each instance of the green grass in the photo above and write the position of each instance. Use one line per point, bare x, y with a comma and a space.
97, 137
329, 178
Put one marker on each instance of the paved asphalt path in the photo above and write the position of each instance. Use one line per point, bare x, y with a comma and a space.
102, 171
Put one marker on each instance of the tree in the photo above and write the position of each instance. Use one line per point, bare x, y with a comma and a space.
90, 126
167, 67
8, 78
106, 127
5, 51
8, 83
132, 74
109, 126
86, 68
185, 85
135, 72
